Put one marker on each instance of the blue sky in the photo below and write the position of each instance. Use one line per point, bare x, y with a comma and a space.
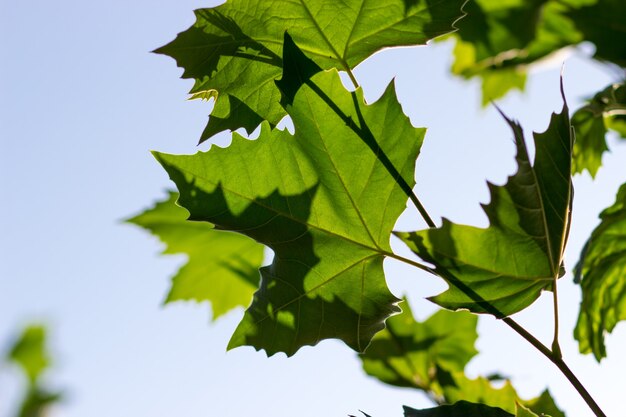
82, 101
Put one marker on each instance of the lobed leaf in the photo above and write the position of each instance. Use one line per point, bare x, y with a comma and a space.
222, 267
431, 356
314, 198
480, 390
234, 50
502, 269
602, 23
591, 122
29, 352
498, 40
37, 402
601, 272
408, 353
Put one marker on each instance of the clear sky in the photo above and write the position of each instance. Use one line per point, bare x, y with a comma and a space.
82, 101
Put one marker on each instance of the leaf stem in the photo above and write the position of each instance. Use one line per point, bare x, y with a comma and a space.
553, 355
556, 348
410, 262
422, 211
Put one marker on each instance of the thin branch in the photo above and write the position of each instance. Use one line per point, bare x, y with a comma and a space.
553, 355
558, 361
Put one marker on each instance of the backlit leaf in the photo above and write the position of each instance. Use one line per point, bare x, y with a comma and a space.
481, 390
315, 199
502, 269
408, 353
236, 48
29, 352
607, 109
602, 274
603, 24
497, 40
522, 411
37, 402
222, 266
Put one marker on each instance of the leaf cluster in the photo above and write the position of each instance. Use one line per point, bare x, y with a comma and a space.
326, 196
29, 353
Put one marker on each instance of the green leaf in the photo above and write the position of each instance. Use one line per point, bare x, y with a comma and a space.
408, 353
498, 40
315, 199
602, 274
545, 405
37, 402
235, 49
502, 269
480, 390
459, 409
496, 26
603, 24
605, 110
222, 266
29, 352
496, 84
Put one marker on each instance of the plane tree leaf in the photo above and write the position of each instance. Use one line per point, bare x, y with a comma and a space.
601, 272
431, 356
457, 386
606, 110
408, 353
314, 198
29, 352
602, 22
544, 405
233, 51
37, 402
497, 40
222, 266
502, 269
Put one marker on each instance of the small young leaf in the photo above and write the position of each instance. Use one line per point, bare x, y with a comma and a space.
602, 274
37, 402
29, 352
315, 199
502, 269
222, 267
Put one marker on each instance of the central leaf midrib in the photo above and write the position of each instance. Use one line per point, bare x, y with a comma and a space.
337, 173
553, 267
